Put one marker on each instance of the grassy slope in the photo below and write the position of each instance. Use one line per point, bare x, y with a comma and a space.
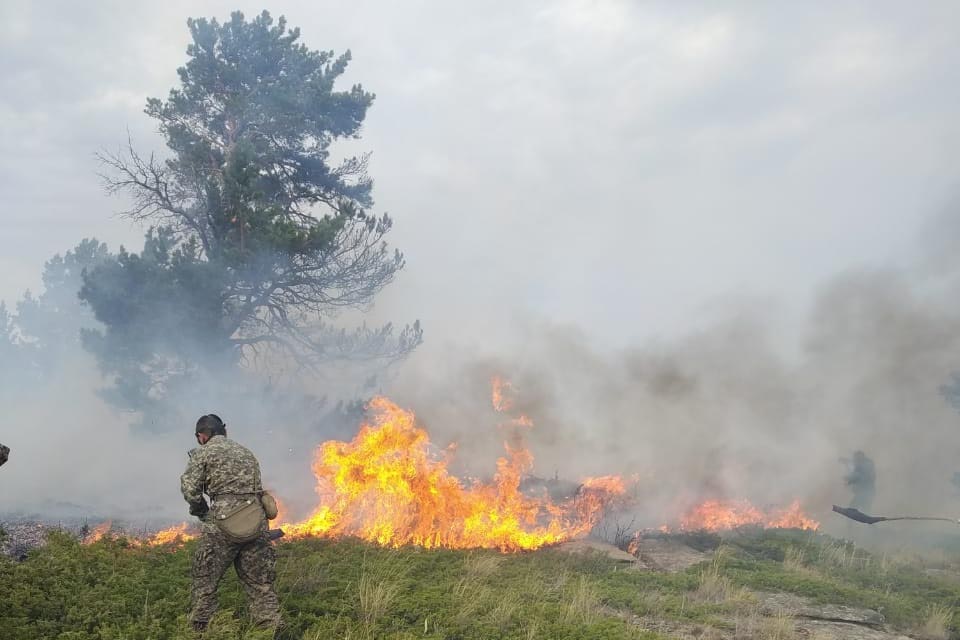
347, 589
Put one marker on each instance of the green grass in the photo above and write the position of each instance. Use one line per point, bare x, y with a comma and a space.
346, 589
829, 571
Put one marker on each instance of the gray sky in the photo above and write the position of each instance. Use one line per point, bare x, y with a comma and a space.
613, 165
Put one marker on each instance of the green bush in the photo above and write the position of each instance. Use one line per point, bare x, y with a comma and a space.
111, 590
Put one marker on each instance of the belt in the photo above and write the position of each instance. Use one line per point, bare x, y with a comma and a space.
236, 495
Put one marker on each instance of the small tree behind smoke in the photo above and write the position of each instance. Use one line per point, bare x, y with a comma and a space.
44, 332
951, 391
257, 236
16, 364
51, 322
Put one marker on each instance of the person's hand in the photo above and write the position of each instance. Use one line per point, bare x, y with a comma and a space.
199, 508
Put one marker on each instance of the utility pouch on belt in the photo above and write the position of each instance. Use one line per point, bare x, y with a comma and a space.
243, 522
269, 505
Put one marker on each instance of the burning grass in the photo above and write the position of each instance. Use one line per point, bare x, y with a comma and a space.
386, 486
175, 535
726, 515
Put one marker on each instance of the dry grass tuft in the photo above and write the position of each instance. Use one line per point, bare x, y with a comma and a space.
778, 627
530, 630
375, 595
378, 587
755, 626
793, 559
936, 624
715, 588
481, 565
844, 556
476, 597
712, 588
505, 610
581, 602
477, 567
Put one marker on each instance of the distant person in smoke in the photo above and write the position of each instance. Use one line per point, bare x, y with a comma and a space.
235, 529
4, 454
955, 480
861, 478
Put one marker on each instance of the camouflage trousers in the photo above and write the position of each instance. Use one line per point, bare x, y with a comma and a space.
255, 563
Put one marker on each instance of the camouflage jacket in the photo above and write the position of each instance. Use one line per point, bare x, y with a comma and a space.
222, 468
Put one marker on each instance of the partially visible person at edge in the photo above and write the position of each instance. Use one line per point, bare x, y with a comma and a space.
228, 473
4, 454
861, 479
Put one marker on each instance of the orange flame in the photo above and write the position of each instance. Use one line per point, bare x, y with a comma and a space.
595, 494
521, 421
501, 401
721, 515
385, 486
175, 534
792, 518
98, 532
610, 484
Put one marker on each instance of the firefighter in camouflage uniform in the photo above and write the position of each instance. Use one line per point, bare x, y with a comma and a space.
229, 474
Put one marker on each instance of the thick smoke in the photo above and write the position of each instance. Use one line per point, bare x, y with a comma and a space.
731, 411
76, 455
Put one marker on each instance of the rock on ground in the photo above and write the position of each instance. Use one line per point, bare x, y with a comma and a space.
661, 554
588, 545
800, 607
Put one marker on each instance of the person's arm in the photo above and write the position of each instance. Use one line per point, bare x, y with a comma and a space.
191, 485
